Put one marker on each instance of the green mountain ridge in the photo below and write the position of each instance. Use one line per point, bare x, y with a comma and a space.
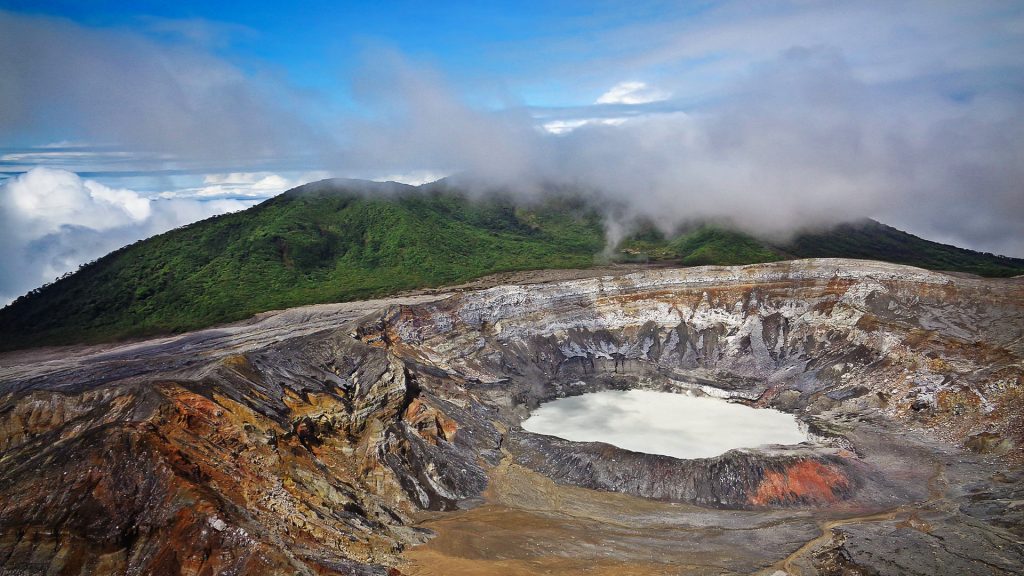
339, 240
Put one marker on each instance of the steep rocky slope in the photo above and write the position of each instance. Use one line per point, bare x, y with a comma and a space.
327, 439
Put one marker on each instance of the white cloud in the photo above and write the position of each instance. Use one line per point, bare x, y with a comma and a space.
803, 142
414, 177
53, 221
566, 126
256, 179
245, 185
632, 93
43, 199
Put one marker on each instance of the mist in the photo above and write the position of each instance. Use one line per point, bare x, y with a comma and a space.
801, 143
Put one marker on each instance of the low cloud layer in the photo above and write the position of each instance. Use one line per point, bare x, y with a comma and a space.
52, 221
240, 185
801, 142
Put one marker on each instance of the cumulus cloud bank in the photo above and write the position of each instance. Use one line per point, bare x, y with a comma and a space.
52, 221
244, 185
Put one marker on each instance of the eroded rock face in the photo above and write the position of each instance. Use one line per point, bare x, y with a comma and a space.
926, 347
736, 479
307, 441
918, 346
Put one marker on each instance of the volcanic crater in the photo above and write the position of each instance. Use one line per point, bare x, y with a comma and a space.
386, 436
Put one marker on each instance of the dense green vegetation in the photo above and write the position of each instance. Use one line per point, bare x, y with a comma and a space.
323, 242
865, 239
872, 240
710, 245
342, 240
703, 245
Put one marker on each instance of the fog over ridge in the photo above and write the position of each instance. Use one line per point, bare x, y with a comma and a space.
803, 144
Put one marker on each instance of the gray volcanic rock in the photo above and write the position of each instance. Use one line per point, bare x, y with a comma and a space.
920, 346
312, 440
736, 479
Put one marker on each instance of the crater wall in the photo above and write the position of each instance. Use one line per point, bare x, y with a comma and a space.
307, 441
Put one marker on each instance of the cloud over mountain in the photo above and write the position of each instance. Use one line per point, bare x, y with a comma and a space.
801, 142
773, 116
52, 221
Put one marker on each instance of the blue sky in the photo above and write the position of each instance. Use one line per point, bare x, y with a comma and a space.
318, 46
777, 115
